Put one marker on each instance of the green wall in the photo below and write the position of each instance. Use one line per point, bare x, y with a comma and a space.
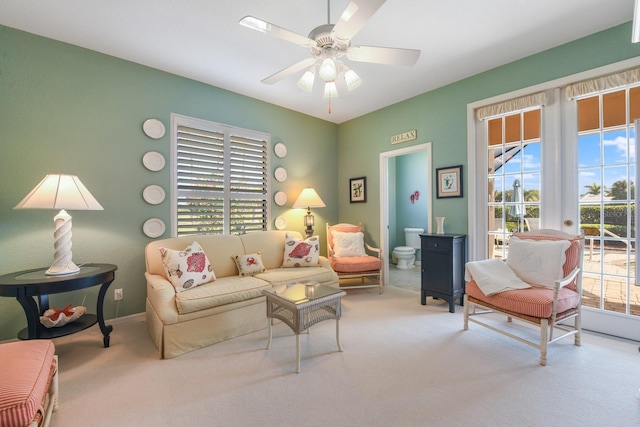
65, 109
440, 117
70, 110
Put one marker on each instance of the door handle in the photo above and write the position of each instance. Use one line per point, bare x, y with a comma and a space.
568, 222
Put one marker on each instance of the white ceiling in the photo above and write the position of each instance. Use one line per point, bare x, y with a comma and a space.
201, 40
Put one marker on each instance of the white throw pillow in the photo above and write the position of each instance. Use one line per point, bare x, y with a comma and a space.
537, 262
299, 253
188, 268
348, 244
250, 264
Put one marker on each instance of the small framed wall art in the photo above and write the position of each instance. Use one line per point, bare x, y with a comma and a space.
358, 190
449, 181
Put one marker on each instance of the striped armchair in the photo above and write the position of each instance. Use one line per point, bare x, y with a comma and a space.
352, 258
554, 306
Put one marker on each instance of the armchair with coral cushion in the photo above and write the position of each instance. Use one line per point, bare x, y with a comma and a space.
352, 258
540, 284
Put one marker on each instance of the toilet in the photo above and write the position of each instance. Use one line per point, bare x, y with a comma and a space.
405, 256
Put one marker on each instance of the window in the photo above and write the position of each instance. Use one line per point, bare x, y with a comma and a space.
220, 178
606, 168
513, 182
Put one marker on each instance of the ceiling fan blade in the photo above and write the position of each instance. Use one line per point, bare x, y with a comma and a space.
357, 13
274, 30
292, 69
383, 55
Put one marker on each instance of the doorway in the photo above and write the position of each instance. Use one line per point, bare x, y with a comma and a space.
388, 197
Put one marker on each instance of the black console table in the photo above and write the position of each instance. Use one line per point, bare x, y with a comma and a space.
27, 285
443, 259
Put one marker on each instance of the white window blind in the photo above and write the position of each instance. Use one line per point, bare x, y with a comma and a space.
221, 178
604, 83
526, 102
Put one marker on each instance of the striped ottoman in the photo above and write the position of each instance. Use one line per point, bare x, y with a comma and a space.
29, 386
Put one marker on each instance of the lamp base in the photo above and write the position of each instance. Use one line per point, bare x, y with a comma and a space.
62, 263
57, 270
309, 231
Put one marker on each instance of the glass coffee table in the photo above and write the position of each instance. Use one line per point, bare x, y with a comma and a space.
302, 305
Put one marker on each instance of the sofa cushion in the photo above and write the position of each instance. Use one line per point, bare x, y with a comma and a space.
288, 276
536, 302
301, 253
358, 264
225, 290
249, 264
187, 268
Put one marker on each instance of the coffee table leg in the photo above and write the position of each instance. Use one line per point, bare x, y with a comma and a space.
270, 333
297, 353
338, 334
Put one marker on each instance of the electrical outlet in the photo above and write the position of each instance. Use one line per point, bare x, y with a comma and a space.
117, 294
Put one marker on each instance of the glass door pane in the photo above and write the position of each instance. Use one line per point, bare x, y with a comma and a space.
606, 169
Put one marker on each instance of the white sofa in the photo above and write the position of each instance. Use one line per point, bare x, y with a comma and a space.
228, 307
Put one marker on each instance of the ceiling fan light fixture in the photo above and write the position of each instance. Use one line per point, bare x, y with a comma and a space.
328, 70
352, 79
306, 81
330, 90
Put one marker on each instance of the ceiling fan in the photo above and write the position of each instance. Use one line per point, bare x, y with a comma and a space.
329, 43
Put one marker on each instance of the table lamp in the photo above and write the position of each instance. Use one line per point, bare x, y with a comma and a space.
61, 192
309, 199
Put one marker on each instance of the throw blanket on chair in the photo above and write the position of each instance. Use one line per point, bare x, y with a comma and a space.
493, 276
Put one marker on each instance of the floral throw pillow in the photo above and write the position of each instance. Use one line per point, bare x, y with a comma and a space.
250, 264
188, 268
299, 253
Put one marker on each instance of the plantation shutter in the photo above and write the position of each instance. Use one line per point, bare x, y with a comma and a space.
221, 178
248, 184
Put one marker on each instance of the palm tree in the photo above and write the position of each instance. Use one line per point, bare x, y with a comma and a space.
619, 190
594, 189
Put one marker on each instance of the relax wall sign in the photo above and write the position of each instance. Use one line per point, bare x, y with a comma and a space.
404, 137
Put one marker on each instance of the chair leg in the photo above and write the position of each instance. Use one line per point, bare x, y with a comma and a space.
544, 328
465, 310
578, 325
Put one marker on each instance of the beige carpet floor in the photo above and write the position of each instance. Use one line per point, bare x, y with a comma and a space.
403, 364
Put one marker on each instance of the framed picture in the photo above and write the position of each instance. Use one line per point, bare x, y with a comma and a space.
358, 190
449, 181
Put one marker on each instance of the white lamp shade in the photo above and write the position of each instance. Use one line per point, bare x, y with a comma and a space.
60, 192
352, 79
330, 90
308, 199
306, 81
328, 70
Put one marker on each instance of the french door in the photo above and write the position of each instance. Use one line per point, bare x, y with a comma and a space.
567, 164
603, 148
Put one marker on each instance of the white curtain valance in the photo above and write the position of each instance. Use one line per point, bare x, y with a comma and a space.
529, 101
607, 82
